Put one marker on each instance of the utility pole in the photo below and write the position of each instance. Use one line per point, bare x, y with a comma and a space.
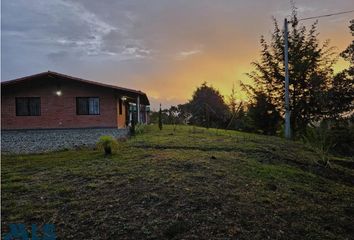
286, 63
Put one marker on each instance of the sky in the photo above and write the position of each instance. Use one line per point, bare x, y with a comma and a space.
165, 48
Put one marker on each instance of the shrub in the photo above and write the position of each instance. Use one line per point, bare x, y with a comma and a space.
108, 144
140, 128
343, 139
336, 138
320, 140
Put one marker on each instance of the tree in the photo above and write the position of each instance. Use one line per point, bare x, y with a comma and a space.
341, 100
237, 111
348, 53
264, 115
184, 115
232, 100
207, 107
173, 115
310, 70
341, 95
177, 114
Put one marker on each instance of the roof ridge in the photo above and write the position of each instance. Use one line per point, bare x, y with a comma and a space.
89, 80
68, 76
13, 81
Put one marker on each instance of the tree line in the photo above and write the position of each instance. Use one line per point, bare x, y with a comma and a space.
319, 98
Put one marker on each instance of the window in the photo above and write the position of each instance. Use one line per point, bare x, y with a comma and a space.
87, 106
120, 107
28, 106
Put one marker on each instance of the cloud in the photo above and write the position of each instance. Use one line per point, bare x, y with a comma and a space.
184, 54
165, 48
136, 52
64, 25
90, 41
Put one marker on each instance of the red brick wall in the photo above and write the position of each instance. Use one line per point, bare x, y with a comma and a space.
57, 111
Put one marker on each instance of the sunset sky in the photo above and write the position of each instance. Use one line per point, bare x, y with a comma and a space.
164, 48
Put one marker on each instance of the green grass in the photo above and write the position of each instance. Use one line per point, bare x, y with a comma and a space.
191, 183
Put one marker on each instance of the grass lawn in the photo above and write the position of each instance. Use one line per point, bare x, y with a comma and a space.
191, 183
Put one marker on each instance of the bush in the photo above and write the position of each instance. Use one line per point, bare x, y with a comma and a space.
108, 144
336, 138
140, 128
343, 139
320, 140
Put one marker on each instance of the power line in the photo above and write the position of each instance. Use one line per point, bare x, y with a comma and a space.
327, 15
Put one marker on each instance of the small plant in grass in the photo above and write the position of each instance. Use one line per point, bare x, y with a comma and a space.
319, 139
108, 144
140, 128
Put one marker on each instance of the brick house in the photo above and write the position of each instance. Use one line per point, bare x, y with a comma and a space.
54, 101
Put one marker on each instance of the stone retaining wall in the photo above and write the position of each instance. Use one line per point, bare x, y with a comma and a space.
37, 141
